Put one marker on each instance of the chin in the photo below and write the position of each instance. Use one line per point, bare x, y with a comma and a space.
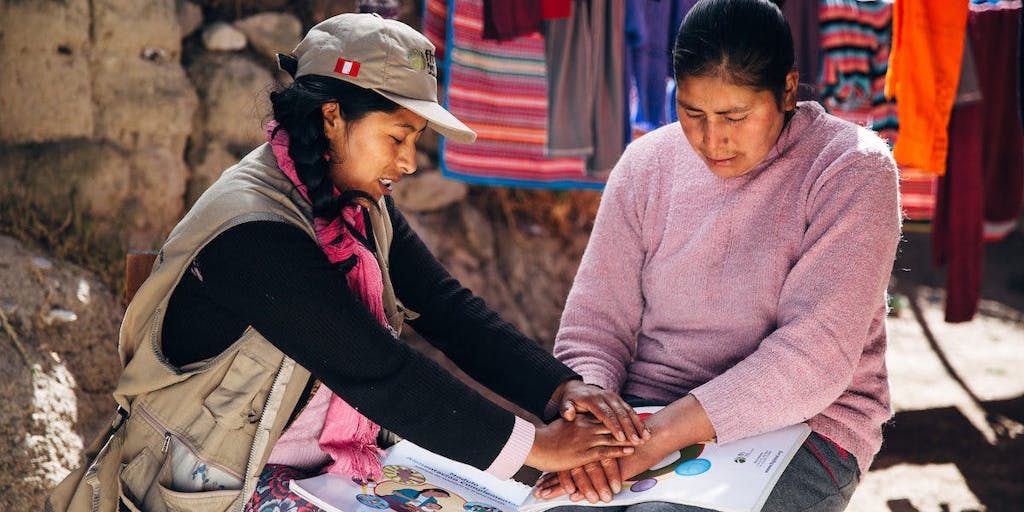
728, 171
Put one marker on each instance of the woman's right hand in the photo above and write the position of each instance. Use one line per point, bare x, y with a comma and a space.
562, 445
576, 397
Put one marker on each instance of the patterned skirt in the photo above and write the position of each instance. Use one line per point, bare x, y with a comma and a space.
273, 495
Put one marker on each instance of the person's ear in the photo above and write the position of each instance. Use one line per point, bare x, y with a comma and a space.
789, 95
333, 122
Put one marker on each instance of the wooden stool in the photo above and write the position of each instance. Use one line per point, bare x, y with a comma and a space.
138, 265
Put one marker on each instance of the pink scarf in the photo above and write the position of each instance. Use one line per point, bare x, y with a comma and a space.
348, 437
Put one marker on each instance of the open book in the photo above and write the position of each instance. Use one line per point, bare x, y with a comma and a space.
415, 480
734, 477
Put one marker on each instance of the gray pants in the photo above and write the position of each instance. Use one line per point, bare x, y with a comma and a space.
807, 484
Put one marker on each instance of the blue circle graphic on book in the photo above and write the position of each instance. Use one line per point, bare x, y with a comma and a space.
693, 467
372, 501
643, 485
672, 461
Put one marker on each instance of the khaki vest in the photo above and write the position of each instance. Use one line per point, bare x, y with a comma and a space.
227, 411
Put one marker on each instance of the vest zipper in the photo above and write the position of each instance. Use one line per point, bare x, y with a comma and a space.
261, 437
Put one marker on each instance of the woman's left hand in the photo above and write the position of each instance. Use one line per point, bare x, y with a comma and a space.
575, 397
593, 482
554, 485
596, 480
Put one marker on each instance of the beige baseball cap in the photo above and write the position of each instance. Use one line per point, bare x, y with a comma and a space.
384, 55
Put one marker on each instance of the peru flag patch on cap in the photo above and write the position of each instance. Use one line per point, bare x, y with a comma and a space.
347, 67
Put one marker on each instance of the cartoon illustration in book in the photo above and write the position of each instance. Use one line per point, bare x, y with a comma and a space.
405, 490
372, 501
404, 475
413, 500
476, 506
684, 463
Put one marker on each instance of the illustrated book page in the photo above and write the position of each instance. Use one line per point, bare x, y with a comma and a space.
415, 480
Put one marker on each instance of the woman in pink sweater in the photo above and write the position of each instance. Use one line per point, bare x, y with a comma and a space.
737, 269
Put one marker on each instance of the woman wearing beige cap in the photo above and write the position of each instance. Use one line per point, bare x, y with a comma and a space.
263, 347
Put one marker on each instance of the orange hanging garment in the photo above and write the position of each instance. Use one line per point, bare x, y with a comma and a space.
924, 68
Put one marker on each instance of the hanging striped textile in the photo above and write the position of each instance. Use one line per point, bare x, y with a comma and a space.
856, 37
918, 193
498, 89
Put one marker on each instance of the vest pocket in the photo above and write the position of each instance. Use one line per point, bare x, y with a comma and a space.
187, 483
183, 471
191, 501
234, 403
168, 474
137, 477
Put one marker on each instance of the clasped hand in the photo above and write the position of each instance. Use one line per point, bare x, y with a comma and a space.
594, 429
680, 423
593, 481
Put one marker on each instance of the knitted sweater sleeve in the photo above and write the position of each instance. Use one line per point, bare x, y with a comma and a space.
597, 335
828, 302
274, 277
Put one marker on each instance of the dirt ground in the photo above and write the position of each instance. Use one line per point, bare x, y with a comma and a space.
955, 443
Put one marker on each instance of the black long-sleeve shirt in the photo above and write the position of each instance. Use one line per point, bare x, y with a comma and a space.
273, 276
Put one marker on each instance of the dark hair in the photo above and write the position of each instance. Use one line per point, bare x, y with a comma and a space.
297, 111
446, 493
748, 41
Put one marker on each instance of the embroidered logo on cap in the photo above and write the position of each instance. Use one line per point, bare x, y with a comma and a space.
347, 67
422, 60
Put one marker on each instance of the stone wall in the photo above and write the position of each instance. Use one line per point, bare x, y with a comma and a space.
96, 112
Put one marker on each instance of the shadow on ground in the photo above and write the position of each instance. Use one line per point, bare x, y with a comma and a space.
994, 474
993, 471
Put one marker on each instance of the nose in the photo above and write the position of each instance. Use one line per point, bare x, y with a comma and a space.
407, 158
715, 135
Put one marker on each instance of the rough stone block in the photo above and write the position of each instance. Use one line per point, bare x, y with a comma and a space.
215, 159
190, 17
222, 37
128, 27
58, 177
428, 192
45, 93
270, 33
234, 99
143, 102
158, 178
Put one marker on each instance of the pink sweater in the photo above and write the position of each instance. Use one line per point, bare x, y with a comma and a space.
762, 295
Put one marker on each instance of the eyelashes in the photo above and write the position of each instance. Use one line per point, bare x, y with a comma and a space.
730, 119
